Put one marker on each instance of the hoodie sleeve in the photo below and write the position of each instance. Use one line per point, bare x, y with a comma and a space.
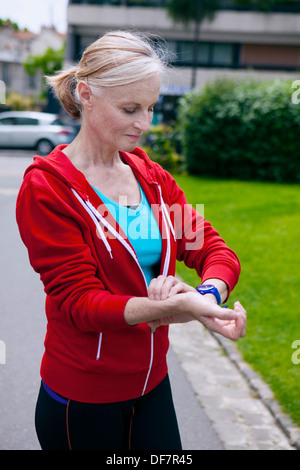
199, 244
58, 252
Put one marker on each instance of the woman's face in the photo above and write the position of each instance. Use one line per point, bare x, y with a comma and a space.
120, 115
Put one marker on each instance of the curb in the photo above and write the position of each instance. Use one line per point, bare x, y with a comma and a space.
262, 390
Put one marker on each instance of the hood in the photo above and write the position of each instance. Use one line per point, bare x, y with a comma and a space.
59, 165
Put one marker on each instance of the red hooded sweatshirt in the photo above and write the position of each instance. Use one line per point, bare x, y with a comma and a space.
90, 270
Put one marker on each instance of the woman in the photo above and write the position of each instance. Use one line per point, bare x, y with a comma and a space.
104, 226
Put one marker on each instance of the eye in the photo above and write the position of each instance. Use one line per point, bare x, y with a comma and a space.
152, 108
129, 111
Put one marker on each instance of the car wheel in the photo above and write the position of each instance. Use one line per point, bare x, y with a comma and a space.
44, 147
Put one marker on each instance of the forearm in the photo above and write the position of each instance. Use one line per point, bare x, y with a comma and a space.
143, 310
167, 297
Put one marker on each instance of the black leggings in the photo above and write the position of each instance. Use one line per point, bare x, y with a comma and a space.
145, 423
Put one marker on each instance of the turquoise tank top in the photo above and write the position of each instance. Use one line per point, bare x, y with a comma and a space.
141, 228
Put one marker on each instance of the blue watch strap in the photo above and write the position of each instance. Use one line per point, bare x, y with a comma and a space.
209, 289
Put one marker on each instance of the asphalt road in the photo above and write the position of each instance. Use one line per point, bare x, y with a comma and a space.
22, 330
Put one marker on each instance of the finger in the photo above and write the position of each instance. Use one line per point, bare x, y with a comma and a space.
159, 287
154, 288
226, 329
242, 319
169, 283
176, 289
238, 306
213, 310
229, 330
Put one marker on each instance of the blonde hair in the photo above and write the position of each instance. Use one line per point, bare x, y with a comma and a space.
115, 59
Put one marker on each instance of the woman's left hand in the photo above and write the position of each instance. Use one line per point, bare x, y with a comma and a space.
162, 287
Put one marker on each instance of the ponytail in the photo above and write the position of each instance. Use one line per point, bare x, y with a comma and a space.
64, 85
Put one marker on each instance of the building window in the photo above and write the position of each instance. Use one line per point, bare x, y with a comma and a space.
32, 81
271, 56
6, 74
222, 54
209, 54
203, 53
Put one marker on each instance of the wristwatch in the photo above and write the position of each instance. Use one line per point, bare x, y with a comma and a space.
209, 289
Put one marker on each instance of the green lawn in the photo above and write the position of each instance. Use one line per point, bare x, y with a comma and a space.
261, 223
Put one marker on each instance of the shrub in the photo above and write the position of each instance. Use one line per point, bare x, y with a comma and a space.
18, 102
161, 144
246, 129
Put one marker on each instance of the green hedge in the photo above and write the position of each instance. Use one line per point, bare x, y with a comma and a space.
246, 129
161, 144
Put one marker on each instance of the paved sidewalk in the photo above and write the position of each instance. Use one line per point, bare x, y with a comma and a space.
239, 405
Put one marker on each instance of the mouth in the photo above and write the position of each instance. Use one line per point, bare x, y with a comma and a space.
134, 138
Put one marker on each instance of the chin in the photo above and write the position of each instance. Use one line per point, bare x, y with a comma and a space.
128, 147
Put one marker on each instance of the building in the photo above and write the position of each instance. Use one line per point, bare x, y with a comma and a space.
15, 47
236, 41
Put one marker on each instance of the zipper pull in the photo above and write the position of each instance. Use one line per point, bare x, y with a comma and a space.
153, 330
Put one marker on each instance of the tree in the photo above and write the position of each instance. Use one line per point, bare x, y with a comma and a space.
187, 10
8, 22
47, 63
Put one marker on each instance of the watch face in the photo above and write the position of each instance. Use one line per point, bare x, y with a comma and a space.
205, 288
208, 288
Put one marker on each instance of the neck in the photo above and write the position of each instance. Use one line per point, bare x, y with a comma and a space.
87, 153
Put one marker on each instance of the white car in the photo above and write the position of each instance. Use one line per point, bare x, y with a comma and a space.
34, 130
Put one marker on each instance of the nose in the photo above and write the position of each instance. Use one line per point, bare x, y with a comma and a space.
143, 123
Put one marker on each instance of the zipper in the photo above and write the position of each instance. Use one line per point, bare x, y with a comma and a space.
96, 217
116, 235
166, 219
99, 347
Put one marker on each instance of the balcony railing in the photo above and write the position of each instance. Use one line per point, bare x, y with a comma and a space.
127, 3
292, 7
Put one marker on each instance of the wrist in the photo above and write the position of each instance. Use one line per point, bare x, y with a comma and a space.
220, 285
209, 290
211, 299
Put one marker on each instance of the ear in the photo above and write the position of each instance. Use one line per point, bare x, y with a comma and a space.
85, 94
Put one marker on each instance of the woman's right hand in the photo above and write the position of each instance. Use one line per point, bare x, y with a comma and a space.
161, 287
172, 301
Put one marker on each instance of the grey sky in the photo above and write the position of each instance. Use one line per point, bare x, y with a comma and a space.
35, 13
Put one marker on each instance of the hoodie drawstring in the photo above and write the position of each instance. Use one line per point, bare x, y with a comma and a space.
88, 207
